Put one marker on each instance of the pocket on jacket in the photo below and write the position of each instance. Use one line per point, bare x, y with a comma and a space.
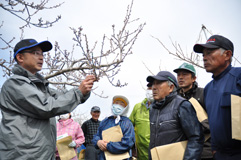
169, 125
225, 101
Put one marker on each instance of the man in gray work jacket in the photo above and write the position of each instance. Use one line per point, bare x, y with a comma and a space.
29, 106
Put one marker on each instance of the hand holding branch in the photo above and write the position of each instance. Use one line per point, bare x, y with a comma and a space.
87, 84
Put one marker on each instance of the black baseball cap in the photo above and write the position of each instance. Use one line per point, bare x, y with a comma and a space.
29, 43
214, 42
163, 76
95, 109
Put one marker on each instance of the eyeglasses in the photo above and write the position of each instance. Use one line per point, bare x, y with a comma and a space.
35, 52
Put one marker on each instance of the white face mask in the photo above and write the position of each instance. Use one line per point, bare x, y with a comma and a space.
149, 95
64, 116
117, 109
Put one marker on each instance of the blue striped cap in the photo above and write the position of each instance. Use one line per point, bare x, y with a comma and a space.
29, 43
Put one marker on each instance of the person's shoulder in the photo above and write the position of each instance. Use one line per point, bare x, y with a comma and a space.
235, 71
104, 120
186, 106
208, 85
126, 122
126, 119
87, 121
15, 78
138, 105
19, 77
186, 103
75, 123
180, 98
200, 89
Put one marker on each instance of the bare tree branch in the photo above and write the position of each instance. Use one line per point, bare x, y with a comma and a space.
67, 68
191, 58
27, 10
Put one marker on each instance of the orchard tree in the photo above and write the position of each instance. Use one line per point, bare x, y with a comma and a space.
62, 68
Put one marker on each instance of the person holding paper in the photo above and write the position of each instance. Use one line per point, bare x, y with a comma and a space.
67, 125
119, 109
90, 128
140, 119
173, 118
217, 57
29, 105
188, 88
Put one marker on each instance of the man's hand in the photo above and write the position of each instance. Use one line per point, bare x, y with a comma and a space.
213, 153
102, 144
87, 84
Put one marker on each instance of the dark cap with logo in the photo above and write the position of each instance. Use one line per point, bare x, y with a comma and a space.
95, 109
214, 42
163, 76
29, 43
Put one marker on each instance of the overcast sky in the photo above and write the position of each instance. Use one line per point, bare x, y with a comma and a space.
180, 20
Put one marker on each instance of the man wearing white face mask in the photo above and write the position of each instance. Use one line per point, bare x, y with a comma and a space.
72, 128
140, 119
119, 109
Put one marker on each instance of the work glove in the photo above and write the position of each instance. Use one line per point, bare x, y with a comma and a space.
72, 144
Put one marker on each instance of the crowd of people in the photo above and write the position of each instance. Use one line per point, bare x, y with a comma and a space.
166, 116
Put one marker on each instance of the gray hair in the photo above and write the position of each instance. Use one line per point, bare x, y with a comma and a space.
222, 51
171, 83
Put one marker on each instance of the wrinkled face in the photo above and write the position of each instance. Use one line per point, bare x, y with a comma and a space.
161, 89
120, 103
31, 59
214, 61
185, 79
95, 115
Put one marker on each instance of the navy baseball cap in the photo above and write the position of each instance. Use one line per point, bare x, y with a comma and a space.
214, 42
163, 76
29, 43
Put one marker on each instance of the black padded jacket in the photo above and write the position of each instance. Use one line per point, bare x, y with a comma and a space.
174, 120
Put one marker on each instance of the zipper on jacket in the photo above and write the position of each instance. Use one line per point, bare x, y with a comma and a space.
157, 123
167, 121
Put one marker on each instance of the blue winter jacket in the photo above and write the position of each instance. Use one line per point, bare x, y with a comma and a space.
217, 98
127, 140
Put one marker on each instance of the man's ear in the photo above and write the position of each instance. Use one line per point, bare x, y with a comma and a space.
171, 88
194, 78
228, 55
19, 58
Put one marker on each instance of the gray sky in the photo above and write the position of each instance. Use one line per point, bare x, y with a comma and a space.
179, 19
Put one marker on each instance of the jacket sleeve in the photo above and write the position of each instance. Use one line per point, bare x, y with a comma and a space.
205, 126
84, 128
127, 140
192, 129
132, 116
98, 135
80, 138
26, 99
